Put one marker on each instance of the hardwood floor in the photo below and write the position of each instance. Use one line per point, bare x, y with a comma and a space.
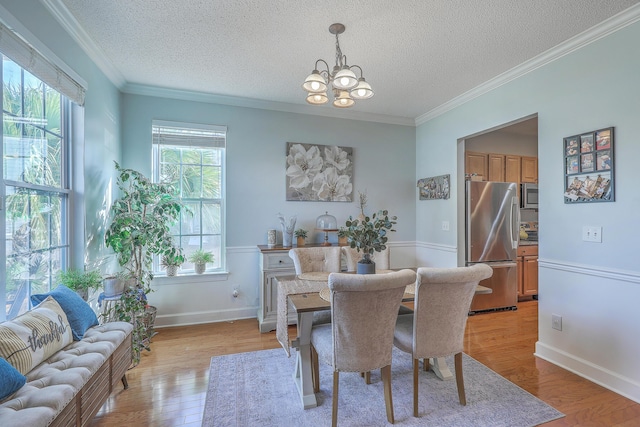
168, 387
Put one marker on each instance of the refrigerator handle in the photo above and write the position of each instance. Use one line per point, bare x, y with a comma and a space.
515, 222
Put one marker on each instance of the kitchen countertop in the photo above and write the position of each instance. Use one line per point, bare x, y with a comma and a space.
528, 243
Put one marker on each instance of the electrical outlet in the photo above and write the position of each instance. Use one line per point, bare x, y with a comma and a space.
445, 225
556, 322
592, 234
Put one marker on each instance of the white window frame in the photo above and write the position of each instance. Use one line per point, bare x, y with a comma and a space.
194, 141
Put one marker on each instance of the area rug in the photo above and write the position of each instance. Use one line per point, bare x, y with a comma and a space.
257, 389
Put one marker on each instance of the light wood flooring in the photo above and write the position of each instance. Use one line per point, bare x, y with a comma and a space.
168, 387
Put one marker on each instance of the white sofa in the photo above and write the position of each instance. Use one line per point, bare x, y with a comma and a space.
70, 386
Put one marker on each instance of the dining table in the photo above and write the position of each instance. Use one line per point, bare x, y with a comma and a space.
308, 293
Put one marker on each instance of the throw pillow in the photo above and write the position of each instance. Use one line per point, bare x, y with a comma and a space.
11, 380
81, 316
34, 336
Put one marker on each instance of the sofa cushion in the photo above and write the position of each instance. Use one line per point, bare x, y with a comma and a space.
34, 336
10, 379
81, 316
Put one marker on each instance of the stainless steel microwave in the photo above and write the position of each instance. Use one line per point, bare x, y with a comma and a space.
529, 196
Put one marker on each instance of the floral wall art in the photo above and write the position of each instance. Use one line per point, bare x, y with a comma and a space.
319, 173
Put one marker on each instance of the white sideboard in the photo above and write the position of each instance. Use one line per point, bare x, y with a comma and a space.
275, 261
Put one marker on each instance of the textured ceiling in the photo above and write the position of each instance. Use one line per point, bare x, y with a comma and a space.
416, 54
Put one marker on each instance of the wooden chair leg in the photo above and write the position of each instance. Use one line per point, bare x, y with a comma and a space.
416, 370
334, 407
459, 378
315, 370
125, 383
425, 364
367, 377
388, 399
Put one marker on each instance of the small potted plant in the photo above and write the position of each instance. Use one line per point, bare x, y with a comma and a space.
368, 235
343, 233
301, 235
200, 258
81, 281
171, 263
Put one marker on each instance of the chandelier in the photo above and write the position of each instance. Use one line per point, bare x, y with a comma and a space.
344, 83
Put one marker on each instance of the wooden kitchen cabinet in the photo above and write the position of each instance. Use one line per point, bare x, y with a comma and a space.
529, 169
512, 168
476, 163
527, 271
496, 167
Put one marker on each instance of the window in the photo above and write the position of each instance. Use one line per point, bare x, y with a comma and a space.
192, 158
35, 187
37, 92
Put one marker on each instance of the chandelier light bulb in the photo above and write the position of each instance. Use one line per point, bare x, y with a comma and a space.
315, 85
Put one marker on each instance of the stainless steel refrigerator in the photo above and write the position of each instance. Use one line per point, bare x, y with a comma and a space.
492, 233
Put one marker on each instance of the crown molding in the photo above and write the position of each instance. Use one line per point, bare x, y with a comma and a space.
137, 89
71, 25
605, 28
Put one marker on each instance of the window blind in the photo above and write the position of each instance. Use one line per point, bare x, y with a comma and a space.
23, 54
188, 134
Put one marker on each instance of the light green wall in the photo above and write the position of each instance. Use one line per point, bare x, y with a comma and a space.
383, 162
594, 286
101, 124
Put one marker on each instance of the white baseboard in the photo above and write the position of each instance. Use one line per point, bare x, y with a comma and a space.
196, 318
594, 373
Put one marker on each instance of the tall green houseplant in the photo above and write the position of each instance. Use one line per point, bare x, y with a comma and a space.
140, 228
141, 222
369, 234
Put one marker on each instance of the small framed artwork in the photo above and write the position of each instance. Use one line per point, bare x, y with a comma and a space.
436, 187
573, 164
603, 160
571, 146
603, 139
588, 162
586, 143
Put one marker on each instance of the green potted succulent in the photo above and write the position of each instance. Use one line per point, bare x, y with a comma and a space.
369, 235
301, 235
80, 281
200, 258
141, 220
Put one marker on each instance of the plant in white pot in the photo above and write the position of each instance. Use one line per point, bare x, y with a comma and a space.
200, 258
80, 281
369, 235
171, 263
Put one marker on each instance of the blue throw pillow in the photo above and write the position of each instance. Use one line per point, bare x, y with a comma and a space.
81, 317
10, 379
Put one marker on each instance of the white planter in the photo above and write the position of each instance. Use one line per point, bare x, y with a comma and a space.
200, 268
172, 270
113, 287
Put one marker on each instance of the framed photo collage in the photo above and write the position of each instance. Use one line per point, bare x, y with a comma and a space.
588, 162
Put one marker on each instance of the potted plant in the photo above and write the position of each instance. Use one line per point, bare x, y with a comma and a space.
171, 263
80, 281
343, 234
301, 235
141, 221
368, 235
200, 258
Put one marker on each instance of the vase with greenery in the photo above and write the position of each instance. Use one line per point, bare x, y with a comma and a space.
301, 235
200, 258
80, 281
141, 220
171, 264
369, 235
343, 234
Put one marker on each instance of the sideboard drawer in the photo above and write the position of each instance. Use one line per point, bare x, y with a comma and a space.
278, 260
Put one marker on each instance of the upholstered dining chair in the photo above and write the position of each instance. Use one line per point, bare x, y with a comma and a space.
364, 308
352, 256
436, 328
316, 259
